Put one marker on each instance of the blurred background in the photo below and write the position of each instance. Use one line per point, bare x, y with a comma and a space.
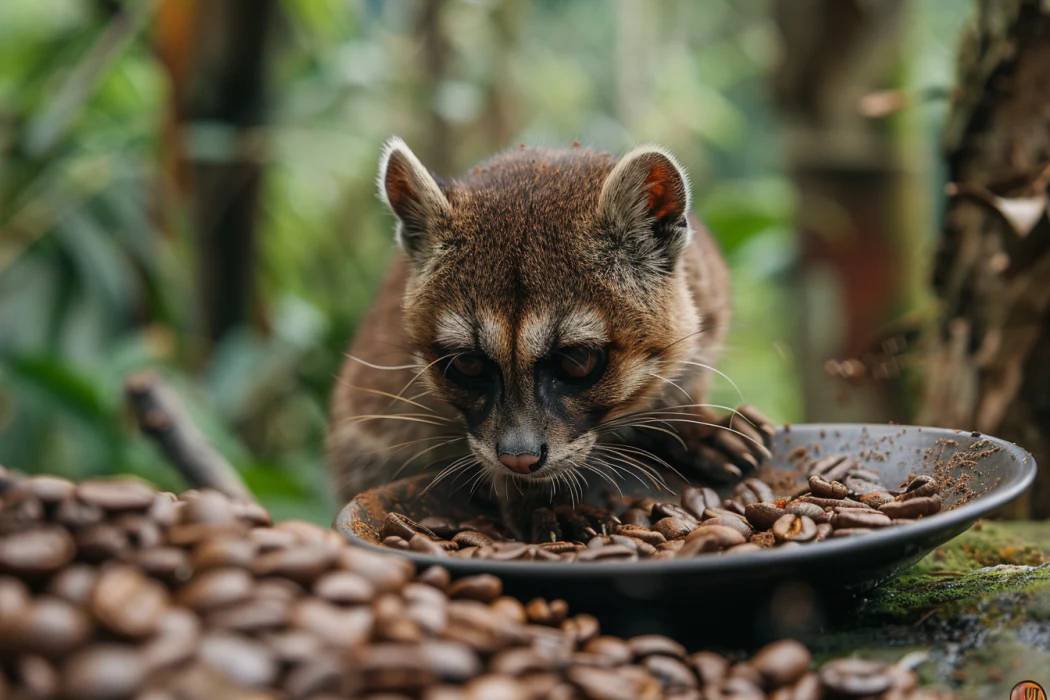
190, 187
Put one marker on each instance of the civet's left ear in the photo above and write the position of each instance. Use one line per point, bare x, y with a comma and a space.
413, 195
644, 202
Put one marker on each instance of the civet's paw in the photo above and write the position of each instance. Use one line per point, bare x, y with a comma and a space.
722, 447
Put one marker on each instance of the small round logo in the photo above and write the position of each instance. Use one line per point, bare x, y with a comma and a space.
1028, 690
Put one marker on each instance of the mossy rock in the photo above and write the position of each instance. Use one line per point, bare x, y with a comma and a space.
979, 605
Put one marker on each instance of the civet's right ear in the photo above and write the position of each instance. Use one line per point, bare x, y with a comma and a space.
412, 194
643, 204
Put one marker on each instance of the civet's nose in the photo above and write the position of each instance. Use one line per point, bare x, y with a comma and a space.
523, 462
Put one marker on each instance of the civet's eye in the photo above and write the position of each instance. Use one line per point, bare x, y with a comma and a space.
469, 369
469, 364
578, 364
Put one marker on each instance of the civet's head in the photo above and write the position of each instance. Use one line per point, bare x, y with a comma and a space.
547, 293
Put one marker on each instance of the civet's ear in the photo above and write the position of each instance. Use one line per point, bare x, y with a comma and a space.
644, 202
412, 194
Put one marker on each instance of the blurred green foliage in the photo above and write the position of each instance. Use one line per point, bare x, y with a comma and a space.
96, 265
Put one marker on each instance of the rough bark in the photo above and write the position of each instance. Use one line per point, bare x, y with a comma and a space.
988, 359
851, 176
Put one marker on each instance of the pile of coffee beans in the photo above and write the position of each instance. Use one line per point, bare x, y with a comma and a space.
110, 589
841, 499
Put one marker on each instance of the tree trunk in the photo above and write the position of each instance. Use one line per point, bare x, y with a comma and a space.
855, 272
989, 356
215, 53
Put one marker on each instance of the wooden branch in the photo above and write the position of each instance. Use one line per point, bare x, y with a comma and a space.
161, 416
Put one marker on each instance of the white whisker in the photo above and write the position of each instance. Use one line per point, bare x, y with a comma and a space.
366, 363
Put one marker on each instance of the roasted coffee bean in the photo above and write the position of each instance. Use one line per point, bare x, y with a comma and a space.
36, 552
402, 526
672, 673
442, 527
810, 510
763, 515
781, 663
303, 563
176, 640
251, 512
920, 485
483, 587
340, 627
915, 507
753, 491
794, 528
49, 489
245, 662
386, 573
128, 602
600, 684
616, 650
425, 545
649, 644
508, 551
550, 613
345, 587
859, 487
102, 541
641, 533
636, 516
395, 542
875, 499
674, 528
609, 551
696, 500
744, 548
46, 625
856, 677
672, 510
733, 506
104, 672
207, 506
833, 467
224, 551
819, 486
435, 576
710, 668
168, 563
215, 588
74, 584
472, 538
721, 535
77, 514
855, 517
116, 494
738, 524
252, 615
831, 502
37, 675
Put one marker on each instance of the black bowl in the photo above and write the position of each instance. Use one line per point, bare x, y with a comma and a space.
835, 565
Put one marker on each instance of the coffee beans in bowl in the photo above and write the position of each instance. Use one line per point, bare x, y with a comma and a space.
840, 499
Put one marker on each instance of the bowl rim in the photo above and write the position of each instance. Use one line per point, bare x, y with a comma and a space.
792, 557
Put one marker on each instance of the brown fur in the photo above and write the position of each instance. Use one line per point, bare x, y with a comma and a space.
521, 237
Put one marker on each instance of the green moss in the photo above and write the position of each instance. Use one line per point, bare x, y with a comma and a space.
989, 561
979, 605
